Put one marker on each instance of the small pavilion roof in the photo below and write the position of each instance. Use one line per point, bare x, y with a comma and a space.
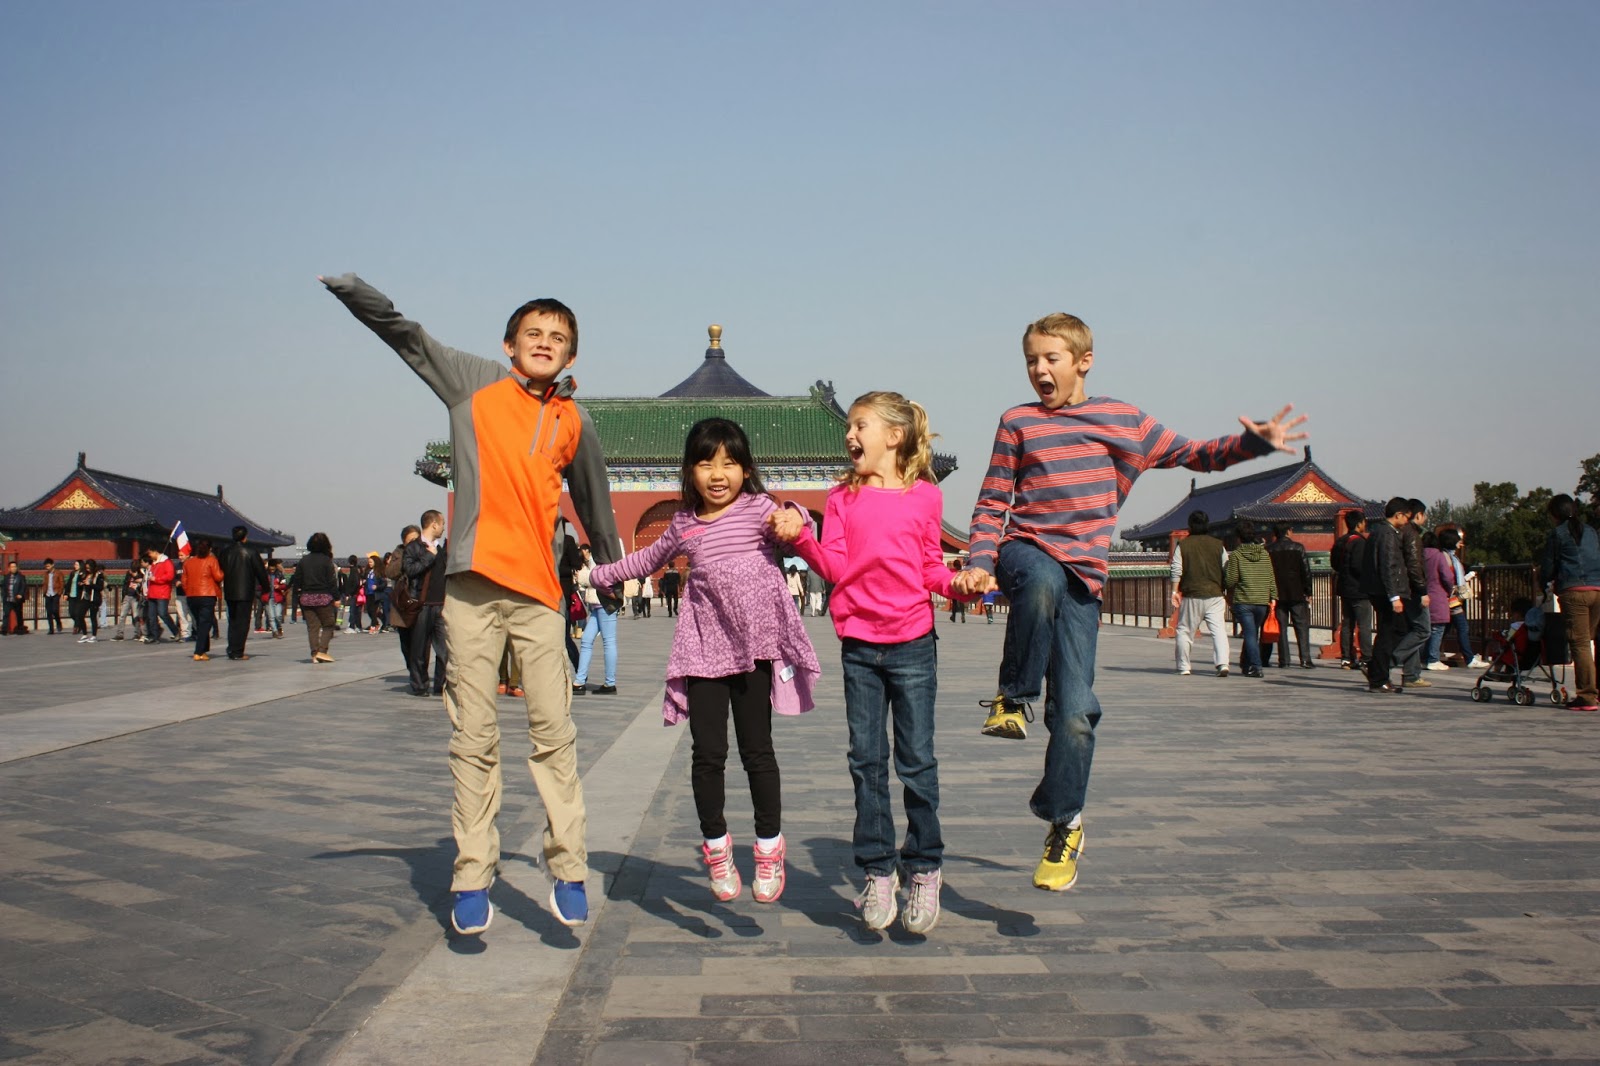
713, 377
139, 504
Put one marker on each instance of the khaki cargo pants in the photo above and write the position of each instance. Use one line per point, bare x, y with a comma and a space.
479, 617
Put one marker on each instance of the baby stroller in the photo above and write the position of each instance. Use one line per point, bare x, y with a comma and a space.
1525, 655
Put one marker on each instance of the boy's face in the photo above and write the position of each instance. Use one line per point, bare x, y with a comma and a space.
541, 348
1054, 372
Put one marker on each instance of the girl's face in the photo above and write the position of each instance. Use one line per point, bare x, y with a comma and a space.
718, 480
872, 444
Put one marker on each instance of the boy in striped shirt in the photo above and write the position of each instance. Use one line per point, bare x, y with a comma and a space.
1041, 533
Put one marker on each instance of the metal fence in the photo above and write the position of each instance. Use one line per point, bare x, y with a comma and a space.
1143, 599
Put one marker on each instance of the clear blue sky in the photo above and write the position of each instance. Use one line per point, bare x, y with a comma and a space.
1384, 213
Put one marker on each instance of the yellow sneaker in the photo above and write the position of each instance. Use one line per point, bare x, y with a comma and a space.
1007, 718
1058, 870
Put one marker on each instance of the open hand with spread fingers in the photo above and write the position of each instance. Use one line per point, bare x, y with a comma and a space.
1276, 432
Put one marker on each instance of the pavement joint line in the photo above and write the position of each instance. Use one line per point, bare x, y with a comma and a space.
55, 728
512, 986
72, 662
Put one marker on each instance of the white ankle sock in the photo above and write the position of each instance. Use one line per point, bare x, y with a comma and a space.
769, 844
724, 841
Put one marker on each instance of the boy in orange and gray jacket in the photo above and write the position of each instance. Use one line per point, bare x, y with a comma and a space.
514, 434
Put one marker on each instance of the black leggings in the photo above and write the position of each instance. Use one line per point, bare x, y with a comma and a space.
750, 697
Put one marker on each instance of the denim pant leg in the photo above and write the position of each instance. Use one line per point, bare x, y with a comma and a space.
1034, 582
1408, 654
1463, 634
866, 712
911, 671
608, 633
1435, 642
1251, 616
591, 627
1071, 710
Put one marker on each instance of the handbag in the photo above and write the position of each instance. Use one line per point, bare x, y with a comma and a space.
576, 611
1269, 628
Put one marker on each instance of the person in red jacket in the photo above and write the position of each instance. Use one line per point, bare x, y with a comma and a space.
159, 576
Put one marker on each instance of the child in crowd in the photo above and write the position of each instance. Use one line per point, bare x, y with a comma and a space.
880, 548
515, 435
738, 645
1041, 532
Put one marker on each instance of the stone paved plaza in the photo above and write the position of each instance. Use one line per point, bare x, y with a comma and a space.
249, 863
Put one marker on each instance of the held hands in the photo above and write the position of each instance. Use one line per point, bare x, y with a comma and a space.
786, 525
973, 583
1276, 432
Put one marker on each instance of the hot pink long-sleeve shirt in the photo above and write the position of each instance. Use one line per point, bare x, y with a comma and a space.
880, 548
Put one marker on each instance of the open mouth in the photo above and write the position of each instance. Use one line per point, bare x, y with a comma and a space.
855, 451
1047, 388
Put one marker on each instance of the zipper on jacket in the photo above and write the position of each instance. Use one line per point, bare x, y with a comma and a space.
538, 430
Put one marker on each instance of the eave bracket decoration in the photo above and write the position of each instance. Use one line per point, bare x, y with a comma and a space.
1310, 492
79, 501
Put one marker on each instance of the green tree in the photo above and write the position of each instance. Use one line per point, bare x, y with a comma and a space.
1511, 528
1589, 481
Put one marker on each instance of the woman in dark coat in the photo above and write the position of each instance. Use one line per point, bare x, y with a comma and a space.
316, 579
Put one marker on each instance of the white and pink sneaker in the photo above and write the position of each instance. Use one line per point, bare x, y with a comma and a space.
725, 883
770, 874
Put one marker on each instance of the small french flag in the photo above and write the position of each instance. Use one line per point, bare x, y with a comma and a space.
180, 536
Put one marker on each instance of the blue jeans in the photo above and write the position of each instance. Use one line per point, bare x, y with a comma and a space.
605, 622
1050, 641
1463, 633
1435, 641
155, 612
893, 686
1251, 617
204, 610
1408, 654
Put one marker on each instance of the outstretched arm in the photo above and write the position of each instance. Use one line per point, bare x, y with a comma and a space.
452, 375
1275, 431
639, 564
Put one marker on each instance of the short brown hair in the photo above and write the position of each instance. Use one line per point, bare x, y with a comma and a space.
1070, 328
544, 306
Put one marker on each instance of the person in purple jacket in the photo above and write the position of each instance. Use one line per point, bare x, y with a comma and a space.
1441, 576
739, 644
1042, 530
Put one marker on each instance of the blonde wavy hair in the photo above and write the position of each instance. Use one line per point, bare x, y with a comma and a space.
914, 456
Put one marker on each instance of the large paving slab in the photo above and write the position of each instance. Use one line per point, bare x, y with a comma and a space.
1287, 870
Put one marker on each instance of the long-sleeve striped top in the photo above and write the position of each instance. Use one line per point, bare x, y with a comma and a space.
1058, 478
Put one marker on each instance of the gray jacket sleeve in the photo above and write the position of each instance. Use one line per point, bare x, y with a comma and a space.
591, 492
452, 375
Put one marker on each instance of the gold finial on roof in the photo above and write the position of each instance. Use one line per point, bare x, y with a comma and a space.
714, 331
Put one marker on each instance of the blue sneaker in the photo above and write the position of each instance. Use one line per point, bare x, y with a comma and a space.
569, 903
471, 912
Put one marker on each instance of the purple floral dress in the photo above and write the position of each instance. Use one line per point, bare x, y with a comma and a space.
736, 607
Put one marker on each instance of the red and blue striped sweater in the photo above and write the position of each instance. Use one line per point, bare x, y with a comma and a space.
1057, 478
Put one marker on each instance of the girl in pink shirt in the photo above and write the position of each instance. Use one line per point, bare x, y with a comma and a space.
880, 548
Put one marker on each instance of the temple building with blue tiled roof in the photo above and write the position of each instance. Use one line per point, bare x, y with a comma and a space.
94, 514
1301, 494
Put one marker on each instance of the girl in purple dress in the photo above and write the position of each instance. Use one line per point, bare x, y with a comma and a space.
738, 646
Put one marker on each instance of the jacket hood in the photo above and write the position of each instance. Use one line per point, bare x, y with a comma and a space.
1252, 552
